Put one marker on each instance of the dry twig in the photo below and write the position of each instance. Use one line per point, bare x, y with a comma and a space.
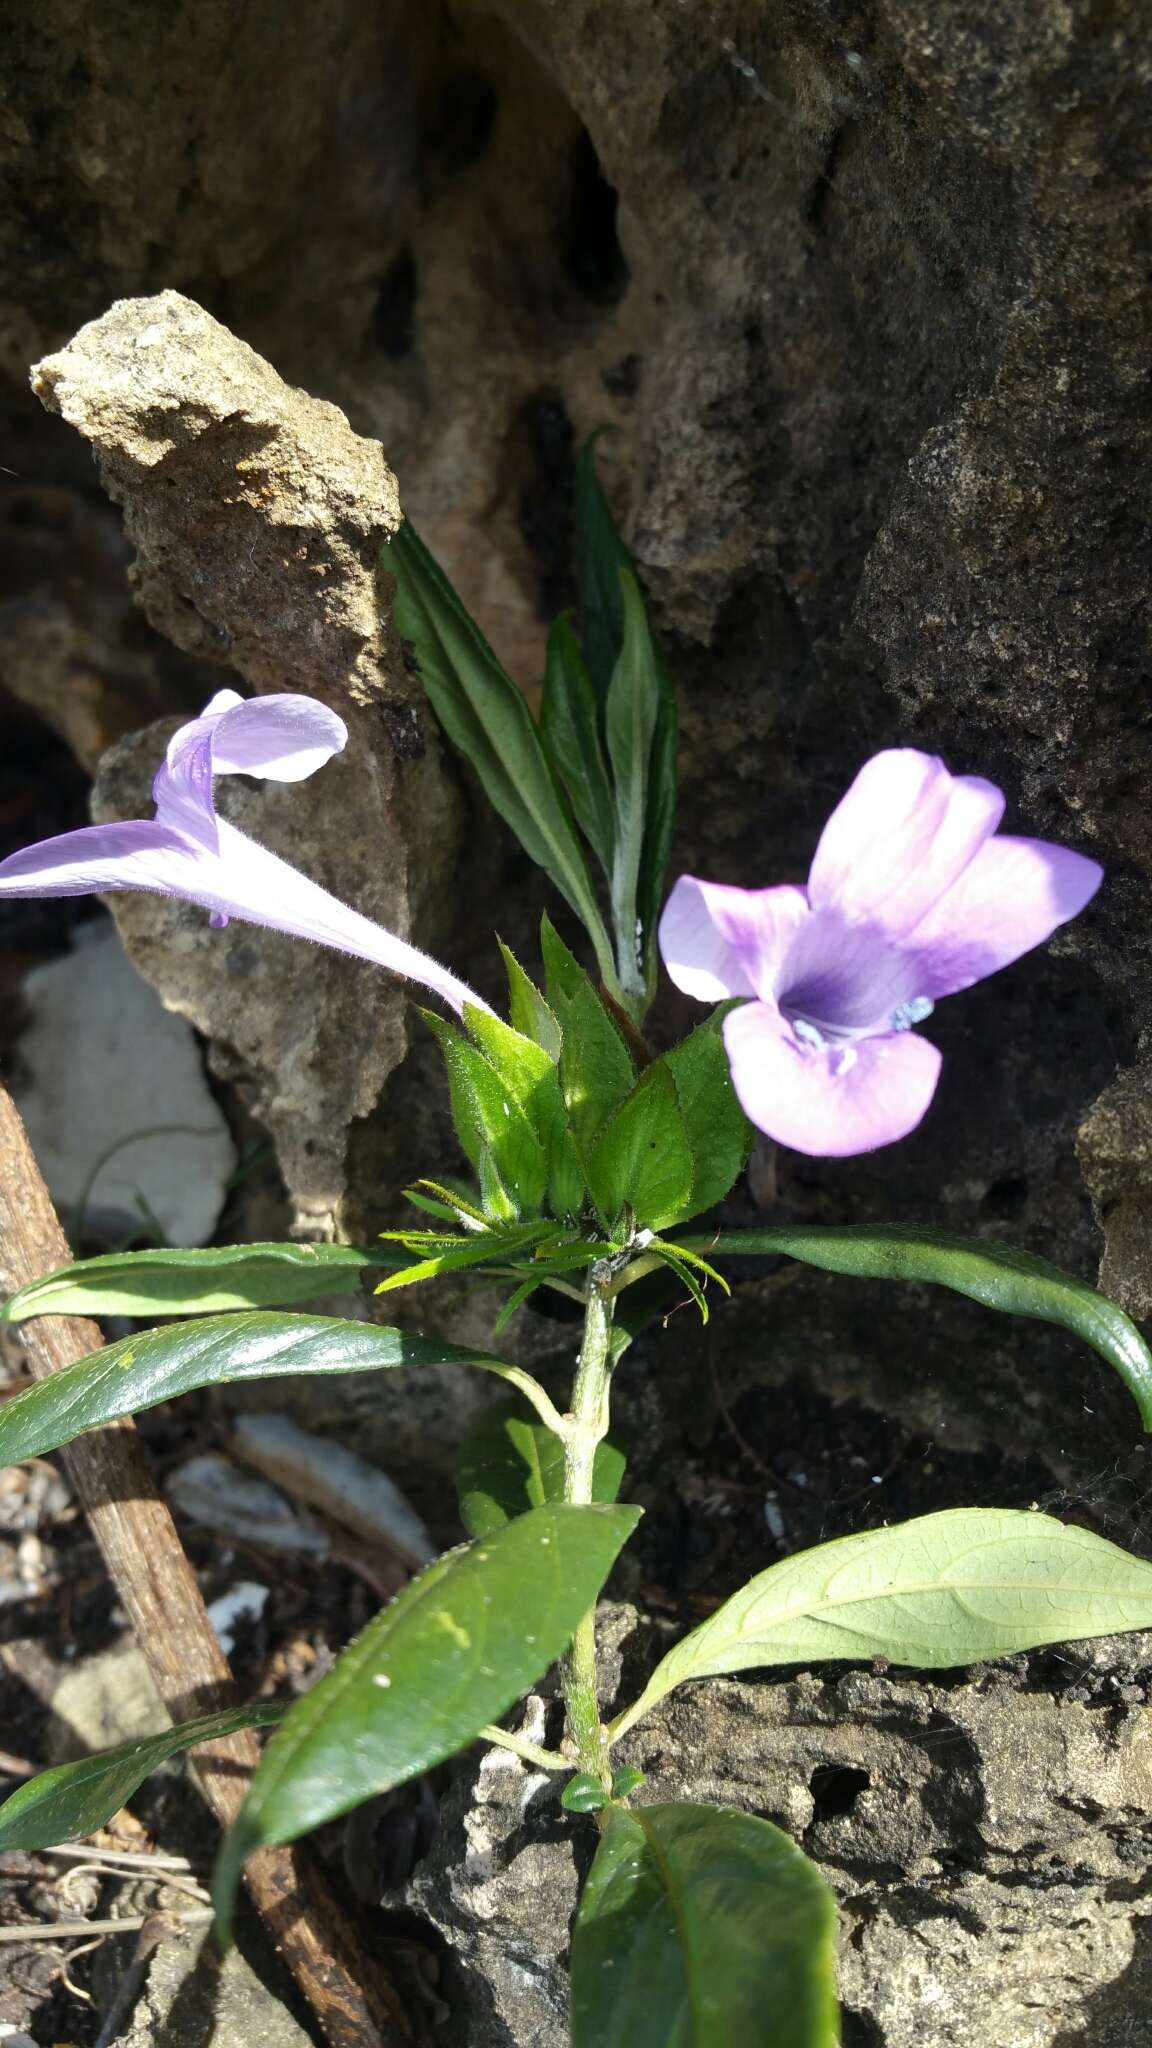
354, 2000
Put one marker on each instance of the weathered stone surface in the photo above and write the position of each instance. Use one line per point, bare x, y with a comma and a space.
988, 1843
258, 518
194, 1997
1115, 1152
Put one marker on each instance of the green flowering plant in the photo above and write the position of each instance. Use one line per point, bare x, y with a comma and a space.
590, 1159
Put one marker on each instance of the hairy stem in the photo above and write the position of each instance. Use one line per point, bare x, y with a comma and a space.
587, 1426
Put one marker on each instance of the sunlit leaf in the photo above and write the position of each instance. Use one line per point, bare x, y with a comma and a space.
947, 1589
176, 1282
716, 1127
450, 1654
77, 1798
486, 717
137, 1372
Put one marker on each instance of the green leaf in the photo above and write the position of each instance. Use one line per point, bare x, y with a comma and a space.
175, 1282
716, 1127
596, 1071
663, 775
485, 716
75, 1799
509, 1463
569, 728
947, 1589
451, 1654
489, 1118
702, 1927
563, 974
1013, 1282
528, 1012
583, 1794
641, 1158
457, 1256
138, 1372
631, 712
532, 1079
600, 556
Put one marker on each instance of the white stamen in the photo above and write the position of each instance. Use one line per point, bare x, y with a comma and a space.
905, 1015
808, 1034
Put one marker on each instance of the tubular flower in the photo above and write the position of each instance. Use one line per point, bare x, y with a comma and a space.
189, 852
910, 897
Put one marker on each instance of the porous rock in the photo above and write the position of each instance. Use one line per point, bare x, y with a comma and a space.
258, 518
988, 1842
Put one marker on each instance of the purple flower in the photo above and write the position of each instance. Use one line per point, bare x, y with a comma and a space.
910, 898
189, 852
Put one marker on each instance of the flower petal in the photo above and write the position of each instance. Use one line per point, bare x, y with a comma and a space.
1012, 897
719, 941
284, 738
241, 880
829, 1102
136, 854
899, 838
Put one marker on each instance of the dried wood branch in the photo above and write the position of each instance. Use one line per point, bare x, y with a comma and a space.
353, 1998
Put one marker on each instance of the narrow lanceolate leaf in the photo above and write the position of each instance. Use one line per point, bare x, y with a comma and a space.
485, 716
455, 1649
457, 1255
630, 722
702, 1927
509, 1463
139, 1371
569, 728
1014, 1282
600, 556
75, 1799
947, 1589
173, 1282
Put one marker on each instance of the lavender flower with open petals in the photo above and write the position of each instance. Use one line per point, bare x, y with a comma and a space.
190, 852
910, 898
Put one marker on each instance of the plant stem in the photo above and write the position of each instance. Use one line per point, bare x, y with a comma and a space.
546, 1759
587, 1426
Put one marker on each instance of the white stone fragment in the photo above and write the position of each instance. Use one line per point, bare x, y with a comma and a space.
112, 1090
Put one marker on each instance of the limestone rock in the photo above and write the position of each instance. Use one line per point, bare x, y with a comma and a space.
1115, 1152
113, 1093
987, 1844
192, 1995
258, 518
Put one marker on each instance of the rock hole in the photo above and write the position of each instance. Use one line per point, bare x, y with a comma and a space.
1006, 1198
590, 249
859, 2030
835, 1788
394, 314
456, 125
544, 432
